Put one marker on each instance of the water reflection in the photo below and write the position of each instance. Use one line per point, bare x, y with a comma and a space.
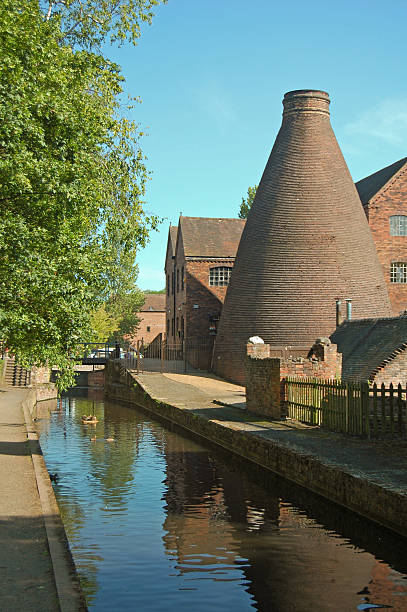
157, 521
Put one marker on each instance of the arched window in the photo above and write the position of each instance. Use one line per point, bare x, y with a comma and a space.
398, 272
398, 225
219, 277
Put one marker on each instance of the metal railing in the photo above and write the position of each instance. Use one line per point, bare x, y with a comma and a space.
164, 356
96, 350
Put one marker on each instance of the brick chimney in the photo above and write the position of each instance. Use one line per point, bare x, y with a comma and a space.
305, 245
305, 101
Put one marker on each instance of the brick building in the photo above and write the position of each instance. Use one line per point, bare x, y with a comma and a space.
152, 319
384, 198
305, 245
200, 256
373, 349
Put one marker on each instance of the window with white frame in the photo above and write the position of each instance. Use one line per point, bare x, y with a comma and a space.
398, 225
219, 277
398, 272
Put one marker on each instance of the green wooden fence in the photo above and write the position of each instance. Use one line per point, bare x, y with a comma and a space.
355, 408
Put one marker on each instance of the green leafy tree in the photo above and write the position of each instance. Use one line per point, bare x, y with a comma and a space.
125, 308
89, 23
103, 325
247, 202
72, 174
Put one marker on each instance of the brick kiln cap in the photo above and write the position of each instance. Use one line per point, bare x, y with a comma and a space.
306, 100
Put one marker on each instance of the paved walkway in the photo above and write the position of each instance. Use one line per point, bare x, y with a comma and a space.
26, 573
36, 570
383, 463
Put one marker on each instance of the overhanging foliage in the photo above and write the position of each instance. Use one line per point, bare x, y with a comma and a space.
72, 181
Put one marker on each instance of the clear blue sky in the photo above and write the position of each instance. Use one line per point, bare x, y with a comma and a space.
212, 74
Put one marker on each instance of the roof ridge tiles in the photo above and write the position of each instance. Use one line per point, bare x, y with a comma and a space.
388, 359
376, 183
392, 180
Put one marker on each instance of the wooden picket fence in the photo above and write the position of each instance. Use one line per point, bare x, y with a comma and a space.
357, 408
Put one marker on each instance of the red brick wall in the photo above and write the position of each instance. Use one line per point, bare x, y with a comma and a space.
265, 375
395, 371
263, 394
258, 351
202, 301
96, 378
40, 375
179, 292
46, 392
325, 362
155, 320
175, 299
169, 294
392, 201
183, 318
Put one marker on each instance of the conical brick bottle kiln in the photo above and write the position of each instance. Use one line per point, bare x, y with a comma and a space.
306, 244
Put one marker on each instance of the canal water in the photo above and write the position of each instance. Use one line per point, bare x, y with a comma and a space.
158, 520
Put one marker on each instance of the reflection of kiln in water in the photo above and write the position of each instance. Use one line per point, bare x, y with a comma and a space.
238, 529
206, 508
218, 519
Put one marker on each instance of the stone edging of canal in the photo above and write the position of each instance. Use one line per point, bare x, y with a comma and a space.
377, 497
70, 596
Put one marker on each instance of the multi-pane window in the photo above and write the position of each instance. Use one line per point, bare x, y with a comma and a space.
398, 272
219, 277
398, 225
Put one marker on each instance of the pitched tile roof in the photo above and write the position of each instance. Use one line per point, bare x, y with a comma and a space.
371, 185
367, 344
209, 237
154, 302
172, 238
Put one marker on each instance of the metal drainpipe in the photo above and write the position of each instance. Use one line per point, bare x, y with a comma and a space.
338, 312
349, 310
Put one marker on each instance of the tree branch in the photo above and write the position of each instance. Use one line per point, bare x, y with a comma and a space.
51, 4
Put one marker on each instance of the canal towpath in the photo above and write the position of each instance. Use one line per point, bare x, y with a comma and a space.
369, 477
36, 567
